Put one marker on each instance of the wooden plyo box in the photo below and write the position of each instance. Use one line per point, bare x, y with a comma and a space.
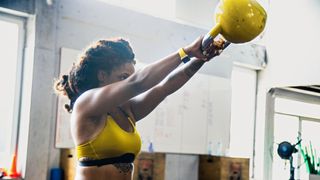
223, 168
149, 166
146, 165
68, 163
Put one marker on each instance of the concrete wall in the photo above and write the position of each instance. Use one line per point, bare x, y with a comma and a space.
40, 154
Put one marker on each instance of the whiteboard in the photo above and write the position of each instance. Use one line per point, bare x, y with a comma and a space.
63, 133
193, 120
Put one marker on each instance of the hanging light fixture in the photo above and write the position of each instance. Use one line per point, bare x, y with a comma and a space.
285, 150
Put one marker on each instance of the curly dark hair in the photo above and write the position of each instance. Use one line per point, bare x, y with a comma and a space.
105, 55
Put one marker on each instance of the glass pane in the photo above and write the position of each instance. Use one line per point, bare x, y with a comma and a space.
286, 128
9, 45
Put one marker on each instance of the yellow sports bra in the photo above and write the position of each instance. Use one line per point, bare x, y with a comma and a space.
112, 142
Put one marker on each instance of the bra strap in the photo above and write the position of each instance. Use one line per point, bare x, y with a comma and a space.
126, 114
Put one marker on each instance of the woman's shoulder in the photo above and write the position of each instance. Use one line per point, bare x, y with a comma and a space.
84, 100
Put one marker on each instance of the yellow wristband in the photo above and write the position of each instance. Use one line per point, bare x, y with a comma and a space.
183, 55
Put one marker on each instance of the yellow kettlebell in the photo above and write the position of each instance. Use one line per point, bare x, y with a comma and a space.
238, 21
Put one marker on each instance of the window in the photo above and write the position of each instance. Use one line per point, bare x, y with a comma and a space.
286, 128
11, 43
293, 119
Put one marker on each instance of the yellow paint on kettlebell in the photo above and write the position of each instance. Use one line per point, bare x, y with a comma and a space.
239, 21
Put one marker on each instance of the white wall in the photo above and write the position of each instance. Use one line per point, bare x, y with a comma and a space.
293, 33
292, 40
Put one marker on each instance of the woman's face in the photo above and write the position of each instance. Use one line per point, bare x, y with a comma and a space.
118, 74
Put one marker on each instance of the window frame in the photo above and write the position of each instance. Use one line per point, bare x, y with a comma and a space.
21, 22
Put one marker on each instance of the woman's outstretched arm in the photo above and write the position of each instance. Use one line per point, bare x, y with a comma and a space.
142, 105
98, 101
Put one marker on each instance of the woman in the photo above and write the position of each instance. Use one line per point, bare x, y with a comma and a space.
103, 89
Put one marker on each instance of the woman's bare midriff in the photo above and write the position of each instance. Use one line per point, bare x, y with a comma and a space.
105, 172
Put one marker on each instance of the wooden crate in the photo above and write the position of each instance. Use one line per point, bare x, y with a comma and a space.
68, 163
152, 164
149, 166
223, 168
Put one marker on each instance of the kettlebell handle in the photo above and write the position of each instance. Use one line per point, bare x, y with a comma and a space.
209, 37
